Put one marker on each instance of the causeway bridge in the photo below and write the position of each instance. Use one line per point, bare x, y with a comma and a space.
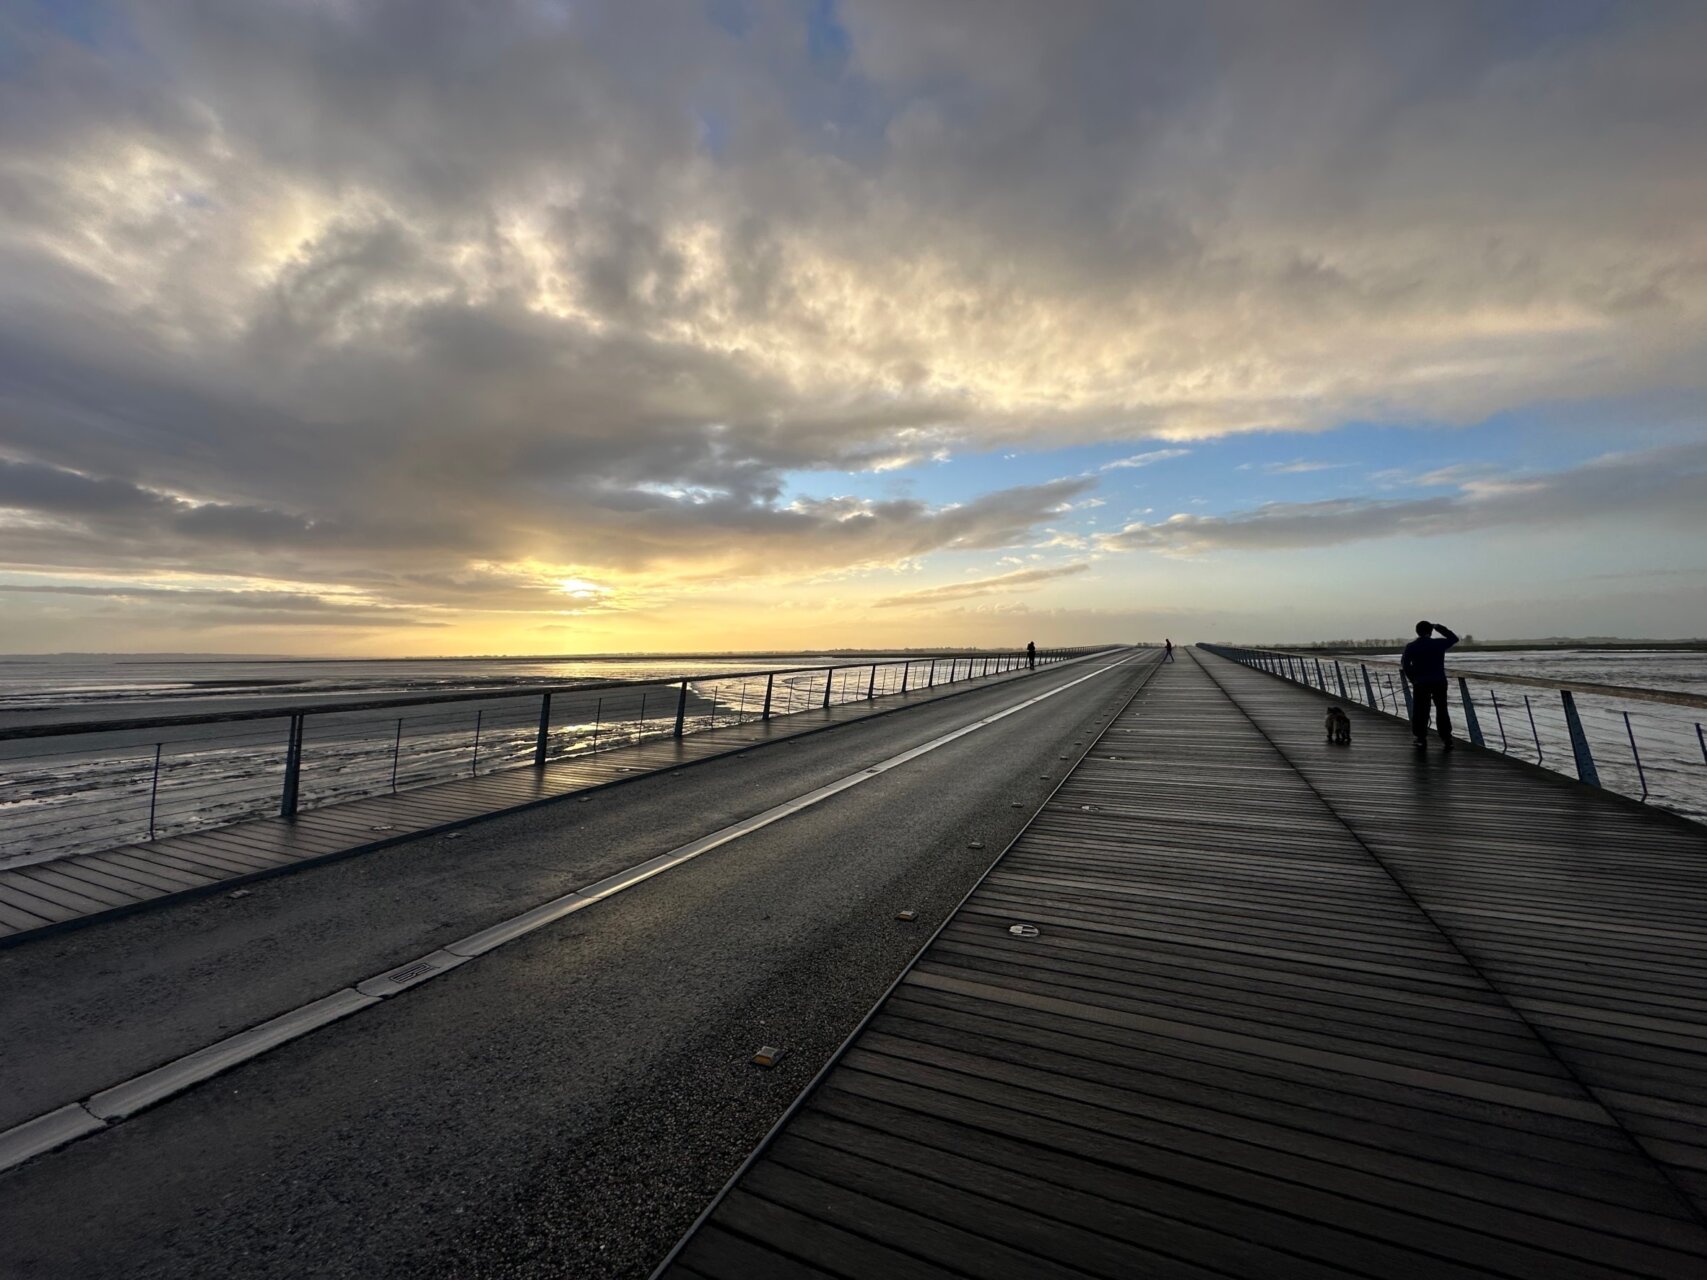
1111, 968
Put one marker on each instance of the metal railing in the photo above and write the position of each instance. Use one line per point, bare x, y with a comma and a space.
1654, 751
83, 787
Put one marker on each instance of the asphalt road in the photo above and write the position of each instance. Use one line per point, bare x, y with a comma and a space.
563, 1106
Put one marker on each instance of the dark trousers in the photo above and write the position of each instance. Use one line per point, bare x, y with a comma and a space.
1434, 691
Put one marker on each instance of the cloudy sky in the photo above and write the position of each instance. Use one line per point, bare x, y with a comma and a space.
522, 327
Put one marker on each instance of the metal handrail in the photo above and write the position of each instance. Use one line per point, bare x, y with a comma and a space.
1291, 666
66, 728
1674, 697
81, 786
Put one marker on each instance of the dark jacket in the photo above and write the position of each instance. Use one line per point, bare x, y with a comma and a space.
1425, 658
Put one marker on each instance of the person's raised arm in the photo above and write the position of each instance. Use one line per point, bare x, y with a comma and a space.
1450, 635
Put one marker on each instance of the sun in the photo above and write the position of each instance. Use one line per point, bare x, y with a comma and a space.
581, 589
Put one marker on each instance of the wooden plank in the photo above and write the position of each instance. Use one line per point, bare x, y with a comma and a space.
725, 1256
33, 881
83, 887
16, 917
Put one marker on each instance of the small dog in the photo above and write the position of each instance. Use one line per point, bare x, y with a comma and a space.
1338, 725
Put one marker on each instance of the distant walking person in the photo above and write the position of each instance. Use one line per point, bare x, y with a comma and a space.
1167, 650
1030, 654
1423, 667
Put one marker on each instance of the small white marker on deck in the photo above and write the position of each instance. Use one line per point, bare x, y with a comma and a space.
906, 915
975, 844
1024, 930
769, 1056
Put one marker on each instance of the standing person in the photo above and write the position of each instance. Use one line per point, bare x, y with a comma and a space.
1167, 650
1423, 667
1031, 655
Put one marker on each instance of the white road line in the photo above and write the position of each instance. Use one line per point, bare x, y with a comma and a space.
153, 1086
44, 1133
78, 1119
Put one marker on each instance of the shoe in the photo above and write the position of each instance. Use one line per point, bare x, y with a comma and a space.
1420, 744
1446, 744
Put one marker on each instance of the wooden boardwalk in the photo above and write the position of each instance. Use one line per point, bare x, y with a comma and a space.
73, 890
1290, 1011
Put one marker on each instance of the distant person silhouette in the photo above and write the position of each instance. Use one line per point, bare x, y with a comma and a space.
1167, 650
1423, 667
1030, 654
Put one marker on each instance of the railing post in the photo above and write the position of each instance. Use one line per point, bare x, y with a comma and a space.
1471, 724
544, 735
829, 683
474, 761
154, 787
1368, 684
906, 670
293, 769
1533, 731
1410, 707
930, 679
1579, 741
599, 712
396, 751
770, 683
871, 684
681, 708
1339, 674
1641, 775
1321, 679
1494, 697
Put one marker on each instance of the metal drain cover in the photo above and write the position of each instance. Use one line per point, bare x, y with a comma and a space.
405, 976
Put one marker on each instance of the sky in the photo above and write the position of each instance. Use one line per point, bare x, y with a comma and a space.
527, 327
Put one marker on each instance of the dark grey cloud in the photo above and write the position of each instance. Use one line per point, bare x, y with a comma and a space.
1666, 488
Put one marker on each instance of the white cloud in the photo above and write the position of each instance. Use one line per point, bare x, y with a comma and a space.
1144, 459
1001, 584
